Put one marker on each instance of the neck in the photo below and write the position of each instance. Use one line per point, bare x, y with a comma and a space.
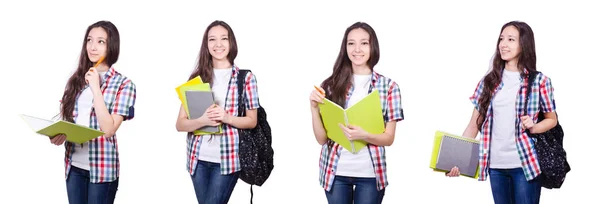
221, 64
102, 67
361, 70
511, 65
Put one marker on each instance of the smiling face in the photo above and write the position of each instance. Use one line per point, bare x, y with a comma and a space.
218, 43
358, 47
96, 45
509, 44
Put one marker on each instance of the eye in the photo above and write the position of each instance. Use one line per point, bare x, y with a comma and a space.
225, 39
350, 43
511, 39
88, 40
211, 39
102, 42
365, 43
501, 38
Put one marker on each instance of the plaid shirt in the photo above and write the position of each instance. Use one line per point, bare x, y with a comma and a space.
230, 162
119, 96
541, 94
392, 111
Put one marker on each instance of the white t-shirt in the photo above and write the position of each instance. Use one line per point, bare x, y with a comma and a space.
85, 103
504, 153
210, 151
359, 164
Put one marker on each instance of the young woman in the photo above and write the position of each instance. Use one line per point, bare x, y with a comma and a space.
213, 160
101, 98
507, 153
352, 79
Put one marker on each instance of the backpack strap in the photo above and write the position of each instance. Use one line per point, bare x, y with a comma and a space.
241, 84
530, 79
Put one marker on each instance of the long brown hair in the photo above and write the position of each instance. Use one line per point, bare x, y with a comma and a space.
337, 84
76, 82
204, 66
526, 60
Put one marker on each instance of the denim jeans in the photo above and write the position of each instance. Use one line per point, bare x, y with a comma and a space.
211, 187
360, 190
509, 186
81, 191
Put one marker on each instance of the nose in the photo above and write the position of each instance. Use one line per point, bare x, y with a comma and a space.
94, 46
357, 49
502, 44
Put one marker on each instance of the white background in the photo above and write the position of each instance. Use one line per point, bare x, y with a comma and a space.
435, 51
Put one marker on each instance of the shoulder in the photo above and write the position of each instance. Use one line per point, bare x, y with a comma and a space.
249, 75
384, 80
119, 78
542, 78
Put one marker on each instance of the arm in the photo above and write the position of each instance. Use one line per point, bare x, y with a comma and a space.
471, 130
384, 139
123, 110
317, 125
247, 122
550, 120
184, 124
109, 123
546, 93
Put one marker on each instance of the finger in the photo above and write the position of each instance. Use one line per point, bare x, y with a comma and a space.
62, 140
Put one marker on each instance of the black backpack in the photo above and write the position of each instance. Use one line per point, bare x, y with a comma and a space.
255, 151
552, 157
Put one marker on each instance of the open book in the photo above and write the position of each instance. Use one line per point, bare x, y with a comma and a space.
75, 133
367, 114
453, 150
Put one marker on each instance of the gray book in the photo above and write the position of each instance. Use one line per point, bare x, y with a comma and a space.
460, 153
198, 102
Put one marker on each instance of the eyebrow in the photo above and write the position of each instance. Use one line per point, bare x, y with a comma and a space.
89, 36
367, 39
213, 36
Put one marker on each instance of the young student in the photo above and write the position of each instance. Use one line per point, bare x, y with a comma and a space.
352, 79
100, 98
213, 160
508, 155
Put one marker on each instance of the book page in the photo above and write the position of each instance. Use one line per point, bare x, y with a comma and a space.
36, 123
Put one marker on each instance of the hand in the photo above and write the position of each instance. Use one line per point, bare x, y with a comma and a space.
527, 122
354, 132
454, 172
316, 98
217, 113
93, 79
58, 139
204, 119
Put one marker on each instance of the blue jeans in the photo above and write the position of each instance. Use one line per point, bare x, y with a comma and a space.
81, 191
360, 190
211, 187
509, 186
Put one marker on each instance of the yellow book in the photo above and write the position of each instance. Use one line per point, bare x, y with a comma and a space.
195, 81
367, 114
195, 84
452, 150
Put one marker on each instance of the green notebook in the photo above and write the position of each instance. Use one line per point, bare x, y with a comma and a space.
196, 87
367, 114
75, 133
